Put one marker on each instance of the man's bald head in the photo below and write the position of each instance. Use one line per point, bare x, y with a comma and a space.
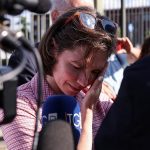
60, 6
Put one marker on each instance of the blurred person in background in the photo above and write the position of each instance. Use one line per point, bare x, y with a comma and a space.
124, 55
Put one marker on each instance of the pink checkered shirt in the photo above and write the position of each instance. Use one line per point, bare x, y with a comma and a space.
18, 135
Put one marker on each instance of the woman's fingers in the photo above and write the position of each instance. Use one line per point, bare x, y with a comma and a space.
93, 93
126, 43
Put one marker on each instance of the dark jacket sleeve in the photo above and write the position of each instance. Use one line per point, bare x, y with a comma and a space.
29, 70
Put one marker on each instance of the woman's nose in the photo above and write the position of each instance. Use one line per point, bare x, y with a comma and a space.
83, 79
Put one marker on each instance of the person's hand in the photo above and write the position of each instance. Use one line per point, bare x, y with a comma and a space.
108, 90
126, 44
133, 53
92, 92
92, 96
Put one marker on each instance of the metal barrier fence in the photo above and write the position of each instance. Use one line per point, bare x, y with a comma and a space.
137, 16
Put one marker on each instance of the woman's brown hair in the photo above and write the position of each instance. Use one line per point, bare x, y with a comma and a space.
62, 35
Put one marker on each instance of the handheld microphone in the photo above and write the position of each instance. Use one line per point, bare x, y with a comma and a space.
65, 108
56, 135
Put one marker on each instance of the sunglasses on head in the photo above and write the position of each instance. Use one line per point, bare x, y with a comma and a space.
89, 21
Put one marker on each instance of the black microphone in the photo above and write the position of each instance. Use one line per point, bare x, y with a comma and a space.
15, 7
37, 6
56, 135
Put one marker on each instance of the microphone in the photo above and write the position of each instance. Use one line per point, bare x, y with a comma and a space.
56, 135
65, 108
15, 7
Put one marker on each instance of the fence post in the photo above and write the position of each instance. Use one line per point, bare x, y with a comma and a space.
99, 5
123, 18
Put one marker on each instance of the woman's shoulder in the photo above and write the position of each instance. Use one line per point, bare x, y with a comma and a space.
28, 90
25, 91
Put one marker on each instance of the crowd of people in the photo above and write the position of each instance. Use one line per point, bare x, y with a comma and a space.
80, 59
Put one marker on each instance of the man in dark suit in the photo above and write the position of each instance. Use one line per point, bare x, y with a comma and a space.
30, 68
127, 124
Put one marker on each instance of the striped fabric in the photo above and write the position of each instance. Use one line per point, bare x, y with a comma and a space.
18, 135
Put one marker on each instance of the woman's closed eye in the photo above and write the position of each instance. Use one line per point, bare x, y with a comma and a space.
75, 66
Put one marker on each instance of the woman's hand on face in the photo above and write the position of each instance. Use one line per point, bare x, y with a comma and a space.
92, 95
93, 92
